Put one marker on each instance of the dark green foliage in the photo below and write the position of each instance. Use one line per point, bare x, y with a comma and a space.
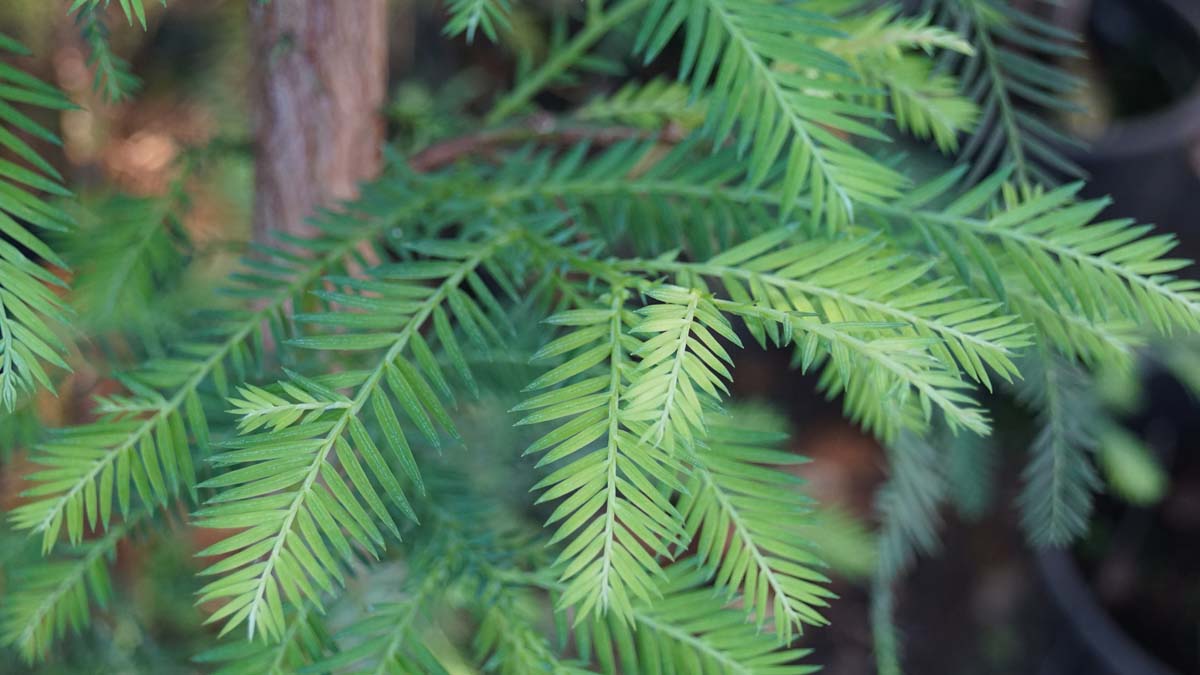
970, 472
132, 9
130, 255
747, 520
303, 641
763, 52
1060, 478
32, 315
113, 77
908, 506
688, 629
1017, 85
50, 598
469, 16
597, 290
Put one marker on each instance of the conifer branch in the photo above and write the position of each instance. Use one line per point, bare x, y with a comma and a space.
117, 453
51, 595
252, 585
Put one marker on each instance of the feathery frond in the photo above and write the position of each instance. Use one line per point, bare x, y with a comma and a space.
688, 197
510, 642
141, 442
52, 596
303, 641
459, 558
1010, 254
113, 78
1111, 340
856, 281
122, 453
908, 504
389, 638
615, 513
673, 541
842, 296
789, 98
19, 428
627, 191
288, 496
683, 367
259, 407
925, 103
1109, 273
1015, 82
648, 105
970, 474
132, 9
31, 313
744, 510
892, 52
1060, 478
989, 249
469, 16
794, 296
884, 32
127, 257
688, 630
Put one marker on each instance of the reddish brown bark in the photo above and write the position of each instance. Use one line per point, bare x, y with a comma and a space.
318, 93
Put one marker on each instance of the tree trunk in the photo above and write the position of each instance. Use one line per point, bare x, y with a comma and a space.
319, 86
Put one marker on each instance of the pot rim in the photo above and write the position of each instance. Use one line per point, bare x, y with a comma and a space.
1095, 628
1166, 129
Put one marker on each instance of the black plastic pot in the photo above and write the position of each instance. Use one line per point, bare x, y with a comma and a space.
1147, 160
1103, 648
1126, 596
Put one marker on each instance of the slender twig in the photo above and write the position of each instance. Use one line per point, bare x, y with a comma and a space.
542, 128
598, 25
